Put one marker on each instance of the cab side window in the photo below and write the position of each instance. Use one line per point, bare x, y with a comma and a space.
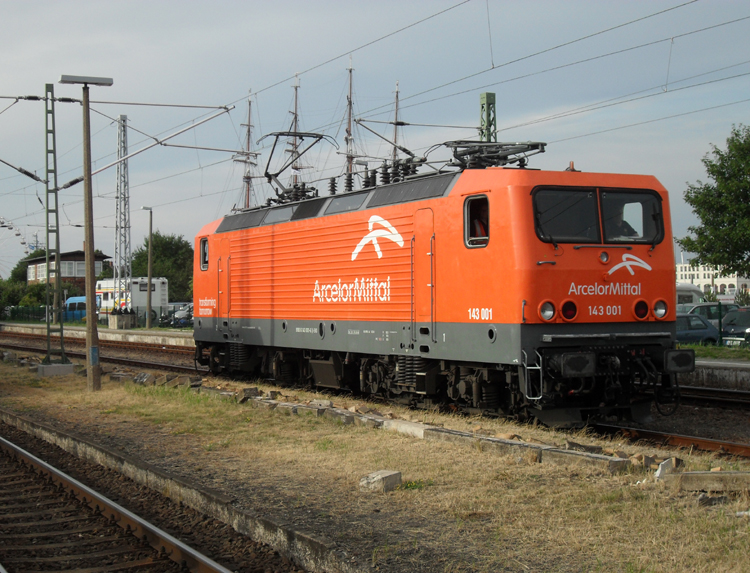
204, 254
477, 221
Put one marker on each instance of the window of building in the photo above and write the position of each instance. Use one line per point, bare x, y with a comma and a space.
477, 221
80, 268
31, 273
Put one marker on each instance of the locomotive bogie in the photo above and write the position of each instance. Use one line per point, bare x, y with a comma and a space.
545, 308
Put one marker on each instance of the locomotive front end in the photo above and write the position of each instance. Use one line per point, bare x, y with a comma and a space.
598, 324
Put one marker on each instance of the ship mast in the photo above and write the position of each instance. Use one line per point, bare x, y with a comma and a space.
349, 139
247, 179
395, 129
248, 156
295, 129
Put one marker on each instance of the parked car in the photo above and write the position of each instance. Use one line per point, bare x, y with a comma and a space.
736, 327
708, 310
183, 317
694, 329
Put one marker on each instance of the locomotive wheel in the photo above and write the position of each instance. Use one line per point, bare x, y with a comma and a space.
216, 360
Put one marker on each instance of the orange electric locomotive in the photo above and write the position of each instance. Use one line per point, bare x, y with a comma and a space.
490, 286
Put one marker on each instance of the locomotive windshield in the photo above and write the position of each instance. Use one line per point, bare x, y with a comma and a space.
572, 215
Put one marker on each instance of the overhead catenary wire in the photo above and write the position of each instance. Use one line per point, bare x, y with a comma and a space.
420, 103
540, 52
348, 52
563, 66
652, 120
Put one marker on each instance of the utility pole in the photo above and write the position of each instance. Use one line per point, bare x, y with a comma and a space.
93, 369
122, 263
150, 278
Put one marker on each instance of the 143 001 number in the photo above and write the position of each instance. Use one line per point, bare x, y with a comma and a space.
480, 314
613, 310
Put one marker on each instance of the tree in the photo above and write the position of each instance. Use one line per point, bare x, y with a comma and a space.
172, 258
722, 239
742, 297
11, 293
108, 271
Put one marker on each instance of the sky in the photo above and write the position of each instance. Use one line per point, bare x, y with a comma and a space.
625, 87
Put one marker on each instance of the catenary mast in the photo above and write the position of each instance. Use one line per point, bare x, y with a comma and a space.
122, 261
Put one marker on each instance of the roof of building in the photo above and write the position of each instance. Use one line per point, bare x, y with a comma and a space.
70, 256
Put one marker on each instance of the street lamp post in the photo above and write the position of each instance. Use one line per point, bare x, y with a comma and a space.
93, 369
148, 291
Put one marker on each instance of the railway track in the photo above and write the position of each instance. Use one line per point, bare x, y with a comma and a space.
697, 395
675, 440
120, 345
49, 521
135, 363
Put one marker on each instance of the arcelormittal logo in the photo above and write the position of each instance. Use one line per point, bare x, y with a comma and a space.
388, 232
630, 261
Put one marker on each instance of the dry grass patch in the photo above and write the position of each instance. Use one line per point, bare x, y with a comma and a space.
459, 509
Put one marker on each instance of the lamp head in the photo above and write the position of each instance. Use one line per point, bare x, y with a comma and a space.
86, 80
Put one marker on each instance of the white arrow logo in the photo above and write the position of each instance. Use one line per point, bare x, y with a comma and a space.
372, 237
630, 261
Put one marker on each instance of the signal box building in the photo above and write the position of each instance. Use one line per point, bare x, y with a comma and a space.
72, 268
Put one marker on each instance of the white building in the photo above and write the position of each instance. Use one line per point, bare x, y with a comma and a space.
707, 279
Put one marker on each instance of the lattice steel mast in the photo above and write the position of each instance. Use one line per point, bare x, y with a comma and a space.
54, 300
122, 262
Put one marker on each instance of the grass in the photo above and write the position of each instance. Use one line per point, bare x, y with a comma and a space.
458, 508
719, 352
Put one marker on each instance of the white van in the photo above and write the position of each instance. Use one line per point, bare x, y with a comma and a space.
688, 294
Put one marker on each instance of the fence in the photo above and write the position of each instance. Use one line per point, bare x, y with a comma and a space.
163, 317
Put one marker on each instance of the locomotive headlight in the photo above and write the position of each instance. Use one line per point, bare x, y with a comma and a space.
660, 309
547, 311
604, 257
569, 310
640, 309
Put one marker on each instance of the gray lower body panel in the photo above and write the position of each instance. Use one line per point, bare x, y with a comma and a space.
480, 342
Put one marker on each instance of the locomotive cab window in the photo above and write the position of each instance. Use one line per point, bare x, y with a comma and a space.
204, 254
571, 215
632, 217
477, 221
566, 215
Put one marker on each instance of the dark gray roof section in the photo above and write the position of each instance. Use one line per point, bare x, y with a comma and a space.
241, 221
345, 203
308, 208
413, 190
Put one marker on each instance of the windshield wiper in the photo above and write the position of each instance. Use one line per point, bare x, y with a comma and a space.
541, 229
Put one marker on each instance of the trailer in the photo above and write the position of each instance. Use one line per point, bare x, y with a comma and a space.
135, 295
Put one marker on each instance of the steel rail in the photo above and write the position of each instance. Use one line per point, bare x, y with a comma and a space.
677, 440
134, 363
158, 539
125, 344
